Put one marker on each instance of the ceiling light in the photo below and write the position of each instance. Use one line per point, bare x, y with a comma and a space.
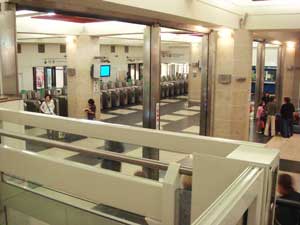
70, 39
291, 44
202, 29
225, 32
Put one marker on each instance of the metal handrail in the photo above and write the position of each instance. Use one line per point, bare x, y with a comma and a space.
153, 164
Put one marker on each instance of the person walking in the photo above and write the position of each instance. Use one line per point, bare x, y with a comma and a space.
48, 108
271, 110
287, 117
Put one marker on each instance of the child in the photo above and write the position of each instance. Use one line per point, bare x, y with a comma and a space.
91, 110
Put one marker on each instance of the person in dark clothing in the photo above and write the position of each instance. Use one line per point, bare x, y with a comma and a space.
112, 146
285, 215
91, 110
287, 117
266, 98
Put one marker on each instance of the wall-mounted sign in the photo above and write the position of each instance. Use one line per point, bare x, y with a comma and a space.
225, 78
241, 79
71, 72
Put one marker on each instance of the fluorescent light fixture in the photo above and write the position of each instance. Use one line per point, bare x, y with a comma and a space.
51, 14
24, 12
276, 42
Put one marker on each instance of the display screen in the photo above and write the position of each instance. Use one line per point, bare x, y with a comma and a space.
104, 70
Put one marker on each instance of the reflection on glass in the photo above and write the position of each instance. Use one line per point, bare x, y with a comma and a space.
59, 77
49, 77
40, 82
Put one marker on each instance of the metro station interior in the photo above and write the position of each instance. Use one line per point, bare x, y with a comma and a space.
155, 112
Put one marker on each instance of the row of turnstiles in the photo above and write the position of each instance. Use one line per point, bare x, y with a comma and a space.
33, 100
122, 93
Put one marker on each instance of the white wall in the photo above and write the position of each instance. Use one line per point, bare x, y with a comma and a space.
119, 63
30, 58
118, 60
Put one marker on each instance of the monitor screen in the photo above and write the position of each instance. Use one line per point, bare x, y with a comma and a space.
104, 70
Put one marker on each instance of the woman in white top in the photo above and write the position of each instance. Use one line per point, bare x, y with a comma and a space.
48, 107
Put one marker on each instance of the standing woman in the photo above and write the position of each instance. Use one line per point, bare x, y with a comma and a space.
48, 107
287, 117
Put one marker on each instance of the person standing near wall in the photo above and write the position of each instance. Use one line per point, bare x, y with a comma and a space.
271, 110
287, 117
48, 108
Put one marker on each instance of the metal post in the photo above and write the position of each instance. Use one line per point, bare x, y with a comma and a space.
207, 81
8, 52
280, 59
151, 90
260, 74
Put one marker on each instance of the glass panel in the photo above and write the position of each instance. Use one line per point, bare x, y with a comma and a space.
180, 90
65, 209
49, 77
59, 77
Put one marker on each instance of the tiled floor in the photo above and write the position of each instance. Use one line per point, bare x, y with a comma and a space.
289, 148
289, 156
176, 116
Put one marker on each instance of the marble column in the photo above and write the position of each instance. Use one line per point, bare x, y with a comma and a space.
296, 83
81, 51
288, 72
231, 84
195, 73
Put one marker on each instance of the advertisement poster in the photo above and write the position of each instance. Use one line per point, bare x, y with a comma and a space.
40, 82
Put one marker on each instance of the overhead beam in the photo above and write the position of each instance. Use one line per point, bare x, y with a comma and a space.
178, 14
273, 22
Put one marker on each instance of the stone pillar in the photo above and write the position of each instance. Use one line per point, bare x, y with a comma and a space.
288, 72
81, 51
230, 74
296, 83
8, 54
195, 73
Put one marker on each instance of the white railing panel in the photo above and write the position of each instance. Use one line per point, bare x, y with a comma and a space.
173, 142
